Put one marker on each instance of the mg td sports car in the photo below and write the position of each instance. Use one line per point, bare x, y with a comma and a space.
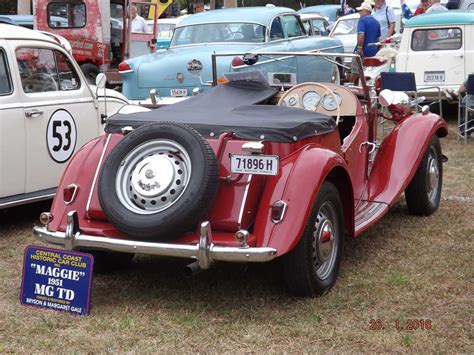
170, 72
246, 173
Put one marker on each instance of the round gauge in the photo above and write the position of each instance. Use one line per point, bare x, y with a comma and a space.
292, 101
328, 102
311, 100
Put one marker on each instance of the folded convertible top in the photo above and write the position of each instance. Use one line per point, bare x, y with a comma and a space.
234, 107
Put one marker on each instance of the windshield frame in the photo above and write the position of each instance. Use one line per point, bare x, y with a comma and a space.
265, 39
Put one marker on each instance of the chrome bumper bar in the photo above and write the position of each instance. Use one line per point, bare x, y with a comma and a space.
205, 251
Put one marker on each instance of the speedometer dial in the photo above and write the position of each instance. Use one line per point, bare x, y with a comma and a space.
292, 101
328, 102
311, 100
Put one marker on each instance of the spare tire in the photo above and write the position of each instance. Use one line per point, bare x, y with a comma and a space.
158, 181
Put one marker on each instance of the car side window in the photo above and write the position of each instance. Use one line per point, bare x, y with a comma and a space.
436, 40
68, 77
5, 80
307, 27
276, 31
292, 26
43, 70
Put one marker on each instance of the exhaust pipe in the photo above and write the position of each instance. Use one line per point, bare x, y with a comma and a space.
191, 269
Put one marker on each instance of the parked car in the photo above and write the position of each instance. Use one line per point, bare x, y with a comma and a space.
315, 25
195, 38
439, 49
248, 173
47, 112
327, 11
164, 30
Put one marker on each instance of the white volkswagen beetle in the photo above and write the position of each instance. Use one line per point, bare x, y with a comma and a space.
47, 111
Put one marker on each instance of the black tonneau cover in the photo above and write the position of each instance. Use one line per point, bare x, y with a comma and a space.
232, 107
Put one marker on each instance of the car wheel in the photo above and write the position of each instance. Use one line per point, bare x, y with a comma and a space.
158, 181
106, 261
424, 191
312, 267
90, 72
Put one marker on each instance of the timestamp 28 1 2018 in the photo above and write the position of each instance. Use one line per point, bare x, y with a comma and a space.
406, 324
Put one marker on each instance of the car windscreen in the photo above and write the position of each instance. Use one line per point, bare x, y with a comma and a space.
345, 27
218, 32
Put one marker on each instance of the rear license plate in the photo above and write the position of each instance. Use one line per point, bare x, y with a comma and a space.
434, 77
254, 164
179, 92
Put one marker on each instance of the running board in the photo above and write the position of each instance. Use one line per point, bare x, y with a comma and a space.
367, 213
21, 199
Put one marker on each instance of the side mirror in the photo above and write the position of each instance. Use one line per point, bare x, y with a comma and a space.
100, 80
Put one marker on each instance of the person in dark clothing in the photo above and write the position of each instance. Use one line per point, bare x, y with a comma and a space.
368, 31
453, 4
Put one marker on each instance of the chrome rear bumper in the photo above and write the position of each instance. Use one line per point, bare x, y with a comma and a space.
205, 252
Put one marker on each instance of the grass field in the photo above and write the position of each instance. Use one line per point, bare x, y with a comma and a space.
405, 268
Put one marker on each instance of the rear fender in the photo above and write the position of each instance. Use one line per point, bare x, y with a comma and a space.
302, 174
400, 155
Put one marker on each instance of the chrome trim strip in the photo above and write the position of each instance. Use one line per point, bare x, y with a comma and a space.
205, 251
283, 58
99, 164
244, 199
24, 201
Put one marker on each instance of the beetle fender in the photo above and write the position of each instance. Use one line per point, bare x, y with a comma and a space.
301, 176
400, 154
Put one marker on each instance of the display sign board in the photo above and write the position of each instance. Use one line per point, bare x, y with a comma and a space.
57, 279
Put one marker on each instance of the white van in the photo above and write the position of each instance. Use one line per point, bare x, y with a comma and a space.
439, 49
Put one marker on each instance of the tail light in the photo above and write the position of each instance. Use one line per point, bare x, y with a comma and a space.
278, 211
222, 80
237, 61
70, 193
124, 67
45, 218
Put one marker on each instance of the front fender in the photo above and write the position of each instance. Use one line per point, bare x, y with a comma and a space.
400, 155
301, 176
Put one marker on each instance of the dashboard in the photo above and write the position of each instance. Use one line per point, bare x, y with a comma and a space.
313, 97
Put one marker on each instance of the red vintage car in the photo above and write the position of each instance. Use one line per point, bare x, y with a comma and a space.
248, 173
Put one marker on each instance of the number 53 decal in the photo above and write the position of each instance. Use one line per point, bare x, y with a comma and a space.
61, 136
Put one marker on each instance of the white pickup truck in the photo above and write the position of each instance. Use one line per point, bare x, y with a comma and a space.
47, 111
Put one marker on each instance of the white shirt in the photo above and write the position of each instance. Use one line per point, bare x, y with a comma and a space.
381, 16
436, 7
139, 24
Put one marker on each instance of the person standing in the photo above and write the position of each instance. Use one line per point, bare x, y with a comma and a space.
421, 9
436, 7
368, 31
386, 17
198, 6
138, 22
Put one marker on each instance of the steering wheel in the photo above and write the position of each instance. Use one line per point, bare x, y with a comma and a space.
235, 35
327, 91
39, 82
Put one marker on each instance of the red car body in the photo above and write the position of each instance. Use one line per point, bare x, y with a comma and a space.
367, 189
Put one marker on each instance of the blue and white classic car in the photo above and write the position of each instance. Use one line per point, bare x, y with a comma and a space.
185, 67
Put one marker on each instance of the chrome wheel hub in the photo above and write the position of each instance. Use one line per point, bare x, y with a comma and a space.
325, 243
432, 177
153, 176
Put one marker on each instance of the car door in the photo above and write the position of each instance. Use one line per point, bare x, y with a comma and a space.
12, 132
59, 112
308, 68
280, 69
437, 56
